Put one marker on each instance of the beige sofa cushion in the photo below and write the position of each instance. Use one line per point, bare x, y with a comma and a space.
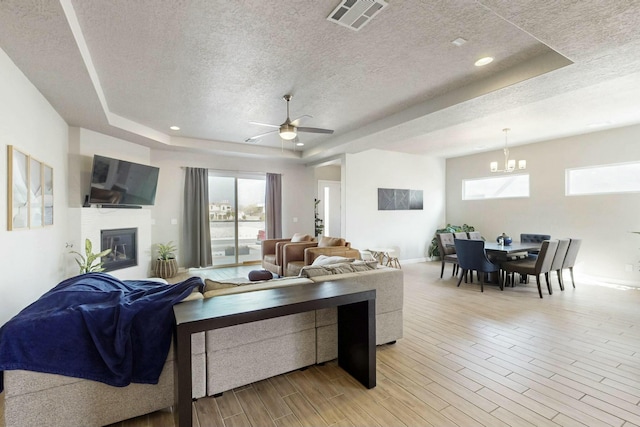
340, 268
248, 286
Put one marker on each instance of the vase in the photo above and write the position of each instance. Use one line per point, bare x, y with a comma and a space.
166, 268
504, 240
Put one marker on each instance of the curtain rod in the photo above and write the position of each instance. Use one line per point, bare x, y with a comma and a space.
229, 170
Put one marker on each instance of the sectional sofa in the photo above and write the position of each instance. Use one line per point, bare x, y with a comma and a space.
222, 359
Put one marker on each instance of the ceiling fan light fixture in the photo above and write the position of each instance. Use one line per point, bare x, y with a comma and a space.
287, 132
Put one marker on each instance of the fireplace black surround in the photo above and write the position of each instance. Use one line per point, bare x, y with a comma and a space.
123, 245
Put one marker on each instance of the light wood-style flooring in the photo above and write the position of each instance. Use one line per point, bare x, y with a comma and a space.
467, 359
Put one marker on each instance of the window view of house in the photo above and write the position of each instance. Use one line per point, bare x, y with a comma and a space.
236, 219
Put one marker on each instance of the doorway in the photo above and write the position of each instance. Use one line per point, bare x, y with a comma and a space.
329, 208
236, 218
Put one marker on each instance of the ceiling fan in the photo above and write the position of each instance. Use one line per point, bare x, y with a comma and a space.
289, 129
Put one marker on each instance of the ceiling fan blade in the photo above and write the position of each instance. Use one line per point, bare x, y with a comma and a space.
265, 124
257, 137
296, 121
314, 130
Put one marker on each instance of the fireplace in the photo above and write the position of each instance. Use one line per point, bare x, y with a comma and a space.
123, 245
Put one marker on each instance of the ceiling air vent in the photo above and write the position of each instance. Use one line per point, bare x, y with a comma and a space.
355, 14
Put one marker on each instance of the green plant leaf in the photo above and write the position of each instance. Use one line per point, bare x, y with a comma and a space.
86, 264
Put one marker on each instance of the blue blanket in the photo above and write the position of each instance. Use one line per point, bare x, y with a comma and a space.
96, 327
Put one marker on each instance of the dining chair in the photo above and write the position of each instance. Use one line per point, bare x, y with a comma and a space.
447, 249
534, 266
558, 260
570, 259
472, 257
535, 238
475, 235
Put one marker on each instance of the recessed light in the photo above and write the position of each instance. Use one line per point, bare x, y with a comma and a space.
174, 127
483, 61
459, 41
299, 144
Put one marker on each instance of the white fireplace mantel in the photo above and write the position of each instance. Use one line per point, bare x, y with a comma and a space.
94, 219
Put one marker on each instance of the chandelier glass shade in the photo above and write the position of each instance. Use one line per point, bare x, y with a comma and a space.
509, 164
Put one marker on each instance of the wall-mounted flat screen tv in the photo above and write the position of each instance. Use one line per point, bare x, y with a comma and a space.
118, 182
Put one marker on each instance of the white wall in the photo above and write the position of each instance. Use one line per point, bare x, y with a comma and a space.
327, 173
603, 222
31, 261
298, 190
410, 230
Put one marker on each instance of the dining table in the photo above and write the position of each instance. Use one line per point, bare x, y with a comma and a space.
499, 253
514, 247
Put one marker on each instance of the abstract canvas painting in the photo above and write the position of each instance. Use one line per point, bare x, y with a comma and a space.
393, 199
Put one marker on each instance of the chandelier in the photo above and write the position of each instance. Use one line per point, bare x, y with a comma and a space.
509, 164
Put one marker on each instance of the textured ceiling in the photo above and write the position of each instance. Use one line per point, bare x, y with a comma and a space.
131, 69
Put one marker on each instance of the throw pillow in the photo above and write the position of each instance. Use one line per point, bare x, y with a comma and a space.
331, 241
260, 275
310, 271
339, 268
325, 260
299, 237
364, 265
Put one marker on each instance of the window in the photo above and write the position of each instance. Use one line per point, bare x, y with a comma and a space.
603, 179
236, 217
499, 187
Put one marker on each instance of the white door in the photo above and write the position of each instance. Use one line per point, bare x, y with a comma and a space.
329, 208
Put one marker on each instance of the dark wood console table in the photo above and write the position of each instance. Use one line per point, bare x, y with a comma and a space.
356, 326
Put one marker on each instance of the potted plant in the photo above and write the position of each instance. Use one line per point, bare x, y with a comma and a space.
166, 264
90, 262
433, 251
318, 223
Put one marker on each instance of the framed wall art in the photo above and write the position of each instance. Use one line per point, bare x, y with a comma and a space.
17, 189
393, 199
29, 191
47, 191
35, 193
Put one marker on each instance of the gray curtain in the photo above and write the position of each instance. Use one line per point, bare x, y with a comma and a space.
273, 206
196, 250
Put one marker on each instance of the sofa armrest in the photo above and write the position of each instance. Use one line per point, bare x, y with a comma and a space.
269, 246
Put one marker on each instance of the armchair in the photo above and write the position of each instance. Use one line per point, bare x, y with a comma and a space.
273, 251
295, 256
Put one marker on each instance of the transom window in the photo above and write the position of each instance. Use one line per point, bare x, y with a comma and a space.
603, 179
496, 187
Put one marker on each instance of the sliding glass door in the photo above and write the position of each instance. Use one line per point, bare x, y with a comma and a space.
236, 217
